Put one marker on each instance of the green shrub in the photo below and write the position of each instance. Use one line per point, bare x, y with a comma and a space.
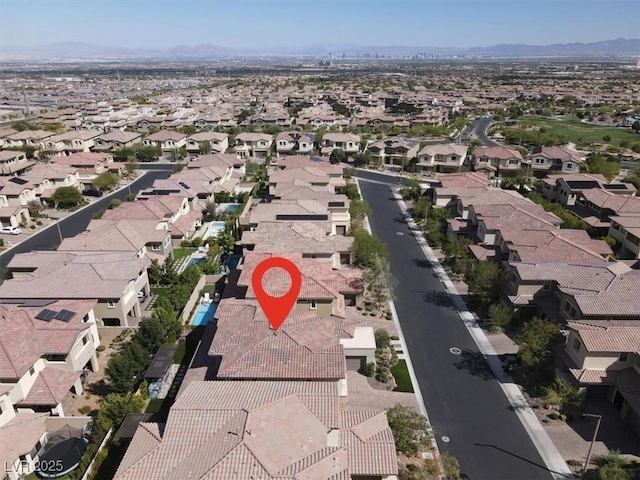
115, 203
85, 409
370, 369
554, 416
39, 223
32, 227
382, 338
100, 348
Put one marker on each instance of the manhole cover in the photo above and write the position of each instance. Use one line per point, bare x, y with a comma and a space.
455, 350
399, 233
445, 439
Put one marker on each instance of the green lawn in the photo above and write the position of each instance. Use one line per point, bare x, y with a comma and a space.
578, 132
155, 405
180, 253
179, 355
401, 374
208, 288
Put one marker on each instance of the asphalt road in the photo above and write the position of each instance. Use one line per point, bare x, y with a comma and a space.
464, 400
76, 223
480, 127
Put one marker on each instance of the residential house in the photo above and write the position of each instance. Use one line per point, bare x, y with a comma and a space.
394, 151
216, 142
253, 145
498, 161
140, 237
325, 291
311, 239
564, 291
193, 190
74, 141
349, 143
294, 143
219, 159
46, 178
13, 163
170, 212
112, 278
168, 142
626, 231
596, 206
45, 347
115, 140
603, 357
300, 211
89, 165
28, 138
445, 158
214, 423
567, 188
546, 159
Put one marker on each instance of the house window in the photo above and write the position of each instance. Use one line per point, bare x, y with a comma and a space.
570, 310
313, 305
155, 246
111, 305
624, 356
32, 371
569, 166
546, 286
576, 344
85, 340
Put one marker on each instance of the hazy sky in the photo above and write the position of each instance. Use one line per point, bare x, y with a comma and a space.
268, 23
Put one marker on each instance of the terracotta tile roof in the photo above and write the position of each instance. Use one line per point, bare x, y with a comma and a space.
85, 159
619, 297
164, 135
248, 348
224, 430
556, 245
464, 179
50, 387
502, 153
616, 339
620, 204
25, 339
115, 235
20, 435
319, 279
67, 275
594, 278
304, 237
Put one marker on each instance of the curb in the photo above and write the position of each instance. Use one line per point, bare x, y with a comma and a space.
543, 443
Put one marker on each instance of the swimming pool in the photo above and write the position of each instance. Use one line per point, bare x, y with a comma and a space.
215, 229
204, 314
228, 207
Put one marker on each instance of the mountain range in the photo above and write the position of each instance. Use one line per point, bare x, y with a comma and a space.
80, 50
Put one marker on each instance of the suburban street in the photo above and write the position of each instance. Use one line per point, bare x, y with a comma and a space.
77, 222
480, 127
469, 412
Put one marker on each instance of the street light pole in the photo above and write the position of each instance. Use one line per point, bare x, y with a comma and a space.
593, 440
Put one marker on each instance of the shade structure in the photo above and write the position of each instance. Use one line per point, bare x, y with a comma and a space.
61, 458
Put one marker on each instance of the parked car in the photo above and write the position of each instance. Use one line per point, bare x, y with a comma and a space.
92, 192
11, 230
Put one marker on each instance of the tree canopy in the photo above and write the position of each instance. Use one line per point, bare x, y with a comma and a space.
67, 197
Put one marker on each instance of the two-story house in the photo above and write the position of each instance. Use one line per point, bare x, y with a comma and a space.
603, 357
114, 279
498, 161
14, 163
394, 151
67, 143
213, 142
115, 140
626, 231
294, 143
168, 142
45, 348
89, 165
445, 158
141, 237
547, 159
239, 416
349, 143
257, 145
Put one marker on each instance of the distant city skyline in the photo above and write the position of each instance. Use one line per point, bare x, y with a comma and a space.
279, 23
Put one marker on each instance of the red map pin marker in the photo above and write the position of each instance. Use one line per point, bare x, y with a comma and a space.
276, 308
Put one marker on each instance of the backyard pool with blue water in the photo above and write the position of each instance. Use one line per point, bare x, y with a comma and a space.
204, 314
